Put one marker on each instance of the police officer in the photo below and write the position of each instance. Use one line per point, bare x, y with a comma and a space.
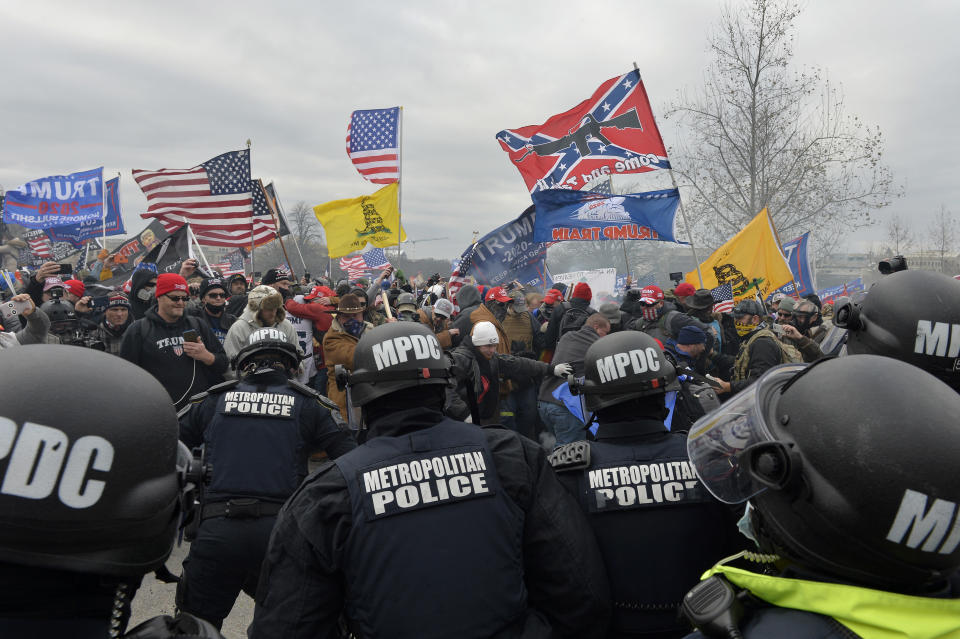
853, 495
88, 505
658, 529
258, 433
913, 316
433, 527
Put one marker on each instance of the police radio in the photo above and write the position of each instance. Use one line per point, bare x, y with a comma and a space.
194, 475
342, 377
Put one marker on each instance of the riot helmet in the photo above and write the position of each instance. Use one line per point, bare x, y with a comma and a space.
624, 366
912, 316
393, 357
82, 491
844, 476
267, 350
63, 318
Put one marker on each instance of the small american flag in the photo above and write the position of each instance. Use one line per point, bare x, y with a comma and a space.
214, 197
373, 144
41, 248
232, 263
358, 265
722, 298
459, 277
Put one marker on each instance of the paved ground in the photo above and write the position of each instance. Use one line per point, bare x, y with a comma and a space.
156, 598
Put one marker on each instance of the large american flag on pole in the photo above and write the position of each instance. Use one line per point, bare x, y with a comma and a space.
459, 276
373, 144
611, 132
214, 197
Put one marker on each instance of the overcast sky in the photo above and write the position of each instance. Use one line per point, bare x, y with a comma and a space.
152, 85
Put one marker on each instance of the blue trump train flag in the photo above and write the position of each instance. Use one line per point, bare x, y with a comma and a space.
507, 253
564, 214
796, 253
79, 234
57, 200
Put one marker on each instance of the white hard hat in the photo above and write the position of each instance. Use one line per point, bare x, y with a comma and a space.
484, 333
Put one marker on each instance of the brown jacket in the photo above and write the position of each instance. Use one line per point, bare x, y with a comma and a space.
483, 314
444, 336
338, 346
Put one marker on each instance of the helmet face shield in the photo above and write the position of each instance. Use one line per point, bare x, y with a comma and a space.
720, 443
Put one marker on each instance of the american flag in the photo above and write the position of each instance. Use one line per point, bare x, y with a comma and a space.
41, 247
358, 265
264, 222
459, 276
214, 197
232, 263
723, 298
373, 144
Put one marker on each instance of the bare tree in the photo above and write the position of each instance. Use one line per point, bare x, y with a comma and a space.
760, 134
304, 225
942, 234
901, 236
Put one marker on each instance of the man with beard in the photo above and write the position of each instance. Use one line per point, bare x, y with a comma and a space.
213, 299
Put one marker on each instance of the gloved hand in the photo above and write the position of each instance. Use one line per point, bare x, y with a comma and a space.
562, 370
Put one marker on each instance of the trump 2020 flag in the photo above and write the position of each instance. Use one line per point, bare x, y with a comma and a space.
78, 234
507, 253
797, 257
350, 224
750, 261
57, 200
584, 215
612, 132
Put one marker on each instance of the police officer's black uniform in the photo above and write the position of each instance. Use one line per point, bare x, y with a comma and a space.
658, 529
257, 435
432, 528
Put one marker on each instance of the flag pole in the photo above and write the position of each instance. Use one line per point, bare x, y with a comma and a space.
277, 208
623, 242
673, 180
276, 231
253, 245
196, 244
399, 181
103, 206
776, 234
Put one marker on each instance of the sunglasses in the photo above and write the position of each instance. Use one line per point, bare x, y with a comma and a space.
216, 296
177, 299
782, 314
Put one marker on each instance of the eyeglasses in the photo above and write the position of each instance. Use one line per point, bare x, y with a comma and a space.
784, 315
177, 299
216, 296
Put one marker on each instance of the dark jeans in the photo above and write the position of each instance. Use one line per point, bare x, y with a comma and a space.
522, 403
224, 559
565, 426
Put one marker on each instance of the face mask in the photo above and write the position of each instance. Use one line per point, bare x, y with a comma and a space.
650, 313
744, 329
353, 326
145, 293
214, 309
745, 524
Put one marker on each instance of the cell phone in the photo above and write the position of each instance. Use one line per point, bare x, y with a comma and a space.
191, 335
99, 302
11, 309
66, 269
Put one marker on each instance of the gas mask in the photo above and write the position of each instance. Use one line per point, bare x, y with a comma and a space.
145, 294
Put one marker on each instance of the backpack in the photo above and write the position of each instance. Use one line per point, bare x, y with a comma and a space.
573, 318
695, 398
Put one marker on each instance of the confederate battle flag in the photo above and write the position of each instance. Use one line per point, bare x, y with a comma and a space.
613, 132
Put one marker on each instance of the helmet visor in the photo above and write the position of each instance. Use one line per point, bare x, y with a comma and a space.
718, 443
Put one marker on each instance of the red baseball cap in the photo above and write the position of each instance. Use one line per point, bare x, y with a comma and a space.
497, 293
552, 296
319, 291
167, 282
684, 289
653, 291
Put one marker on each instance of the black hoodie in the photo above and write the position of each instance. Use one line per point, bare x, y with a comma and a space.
468, 298
156, 346
138, 280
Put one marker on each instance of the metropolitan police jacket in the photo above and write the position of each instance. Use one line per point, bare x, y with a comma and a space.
433, 528
258, 435
657, 527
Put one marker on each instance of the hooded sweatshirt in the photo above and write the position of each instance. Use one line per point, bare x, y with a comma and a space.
156, 346
138, 307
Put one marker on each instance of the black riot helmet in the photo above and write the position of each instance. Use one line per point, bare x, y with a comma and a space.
267, 349
82, 491
913, 316
393, 357
846, 478
63, 317
623, 366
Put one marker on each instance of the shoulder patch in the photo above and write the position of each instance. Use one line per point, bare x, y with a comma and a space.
303, 389
572, 456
